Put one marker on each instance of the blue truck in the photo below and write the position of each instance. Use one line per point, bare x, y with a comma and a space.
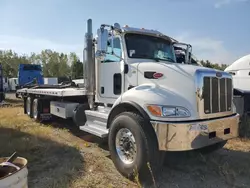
29, 75
1, 84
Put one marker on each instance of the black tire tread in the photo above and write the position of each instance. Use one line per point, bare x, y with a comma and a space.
155, 158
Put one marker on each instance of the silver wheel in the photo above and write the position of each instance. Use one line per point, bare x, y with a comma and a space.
125, 146
34, 108
28, 102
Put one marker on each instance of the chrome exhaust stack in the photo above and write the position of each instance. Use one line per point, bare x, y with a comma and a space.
89, 64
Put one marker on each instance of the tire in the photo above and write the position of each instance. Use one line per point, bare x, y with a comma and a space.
36, 109
29, 107
212, 148
148, 158
24, 105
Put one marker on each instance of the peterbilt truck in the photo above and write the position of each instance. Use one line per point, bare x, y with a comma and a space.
137, 96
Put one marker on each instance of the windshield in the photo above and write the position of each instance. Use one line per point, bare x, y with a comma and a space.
29, 67
149, 47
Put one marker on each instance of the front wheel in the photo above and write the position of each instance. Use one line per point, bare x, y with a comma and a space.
133, 147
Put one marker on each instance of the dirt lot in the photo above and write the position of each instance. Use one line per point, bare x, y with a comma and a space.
61, 156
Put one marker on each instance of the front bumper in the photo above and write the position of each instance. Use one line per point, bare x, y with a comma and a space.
195, 135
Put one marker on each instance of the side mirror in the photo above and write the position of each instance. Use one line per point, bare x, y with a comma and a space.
188, 55
102, 43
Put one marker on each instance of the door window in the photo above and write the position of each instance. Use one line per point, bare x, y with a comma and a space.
116, 49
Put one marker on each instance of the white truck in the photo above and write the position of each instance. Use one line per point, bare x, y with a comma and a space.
240, 72
138, 97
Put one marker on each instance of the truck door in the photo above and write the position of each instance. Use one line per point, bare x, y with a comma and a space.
110, 76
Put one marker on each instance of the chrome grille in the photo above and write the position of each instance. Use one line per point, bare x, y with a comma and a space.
217, 94
214, 94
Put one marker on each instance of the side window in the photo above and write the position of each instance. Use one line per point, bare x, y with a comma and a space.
116, 49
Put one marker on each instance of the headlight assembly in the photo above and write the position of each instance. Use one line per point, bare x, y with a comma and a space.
168, 111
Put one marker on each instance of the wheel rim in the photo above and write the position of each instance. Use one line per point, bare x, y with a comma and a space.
35, 108
28, 106
126, 146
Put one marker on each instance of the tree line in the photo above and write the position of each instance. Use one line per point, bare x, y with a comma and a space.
54, 64
213, 65
57, 64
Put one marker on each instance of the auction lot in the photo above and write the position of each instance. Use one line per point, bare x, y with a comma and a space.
61, 156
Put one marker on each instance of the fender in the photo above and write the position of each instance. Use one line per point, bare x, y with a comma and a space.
126, 106
151, 93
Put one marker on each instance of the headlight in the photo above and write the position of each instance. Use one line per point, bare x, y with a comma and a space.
168, 111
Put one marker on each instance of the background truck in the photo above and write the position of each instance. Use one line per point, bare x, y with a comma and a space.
240, 72
137, 96
2, 95
28, 74
12, 84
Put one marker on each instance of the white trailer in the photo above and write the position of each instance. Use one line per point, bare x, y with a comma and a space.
12, 82
138, 97
5, 84
50, 80
240, 72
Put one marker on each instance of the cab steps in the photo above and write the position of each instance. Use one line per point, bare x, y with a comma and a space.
97, 122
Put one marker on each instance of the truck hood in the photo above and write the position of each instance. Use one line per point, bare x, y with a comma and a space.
174, 74
177, 85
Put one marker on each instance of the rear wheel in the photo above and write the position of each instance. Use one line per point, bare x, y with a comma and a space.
28, 107
133, 148
35, 109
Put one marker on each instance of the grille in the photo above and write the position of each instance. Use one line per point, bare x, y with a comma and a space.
217, 95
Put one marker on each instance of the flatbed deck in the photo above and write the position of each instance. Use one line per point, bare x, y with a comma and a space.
63, 92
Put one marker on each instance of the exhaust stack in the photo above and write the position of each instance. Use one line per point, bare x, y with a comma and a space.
89, 64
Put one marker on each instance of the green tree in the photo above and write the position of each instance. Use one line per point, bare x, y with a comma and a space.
10, 62
54, 64
212, 65
76, 66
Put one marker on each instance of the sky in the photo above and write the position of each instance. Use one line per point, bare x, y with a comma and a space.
218, 30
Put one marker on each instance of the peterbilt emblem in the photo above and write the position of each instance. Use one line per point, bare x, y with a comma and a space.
157, 75
218, 74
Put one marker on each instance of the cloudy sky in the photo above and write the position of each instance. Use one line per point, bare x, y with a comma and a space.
219, 30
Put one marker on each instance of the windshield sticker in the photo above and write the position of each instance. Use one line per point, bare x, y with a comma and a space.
131, 53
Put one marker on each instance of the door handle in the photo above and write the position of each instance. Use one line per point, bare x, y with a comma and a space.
126, 68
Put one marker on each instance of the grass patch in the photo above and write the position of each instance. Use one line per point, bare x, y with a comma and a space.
59, 157
56, 158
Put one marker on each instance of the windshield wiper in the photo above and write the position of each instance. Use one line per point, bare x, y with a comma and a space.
168, 59
146, 57
157, 59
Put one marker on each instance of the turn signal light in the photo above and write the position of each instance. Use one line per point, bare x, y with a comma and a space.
154, 110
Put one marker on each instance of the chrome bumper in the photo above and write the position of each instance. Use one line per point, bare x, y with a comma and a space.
194, 135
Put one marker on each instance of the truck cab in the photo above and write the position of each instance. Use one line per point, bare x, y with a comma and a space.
188, 106
27, 73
